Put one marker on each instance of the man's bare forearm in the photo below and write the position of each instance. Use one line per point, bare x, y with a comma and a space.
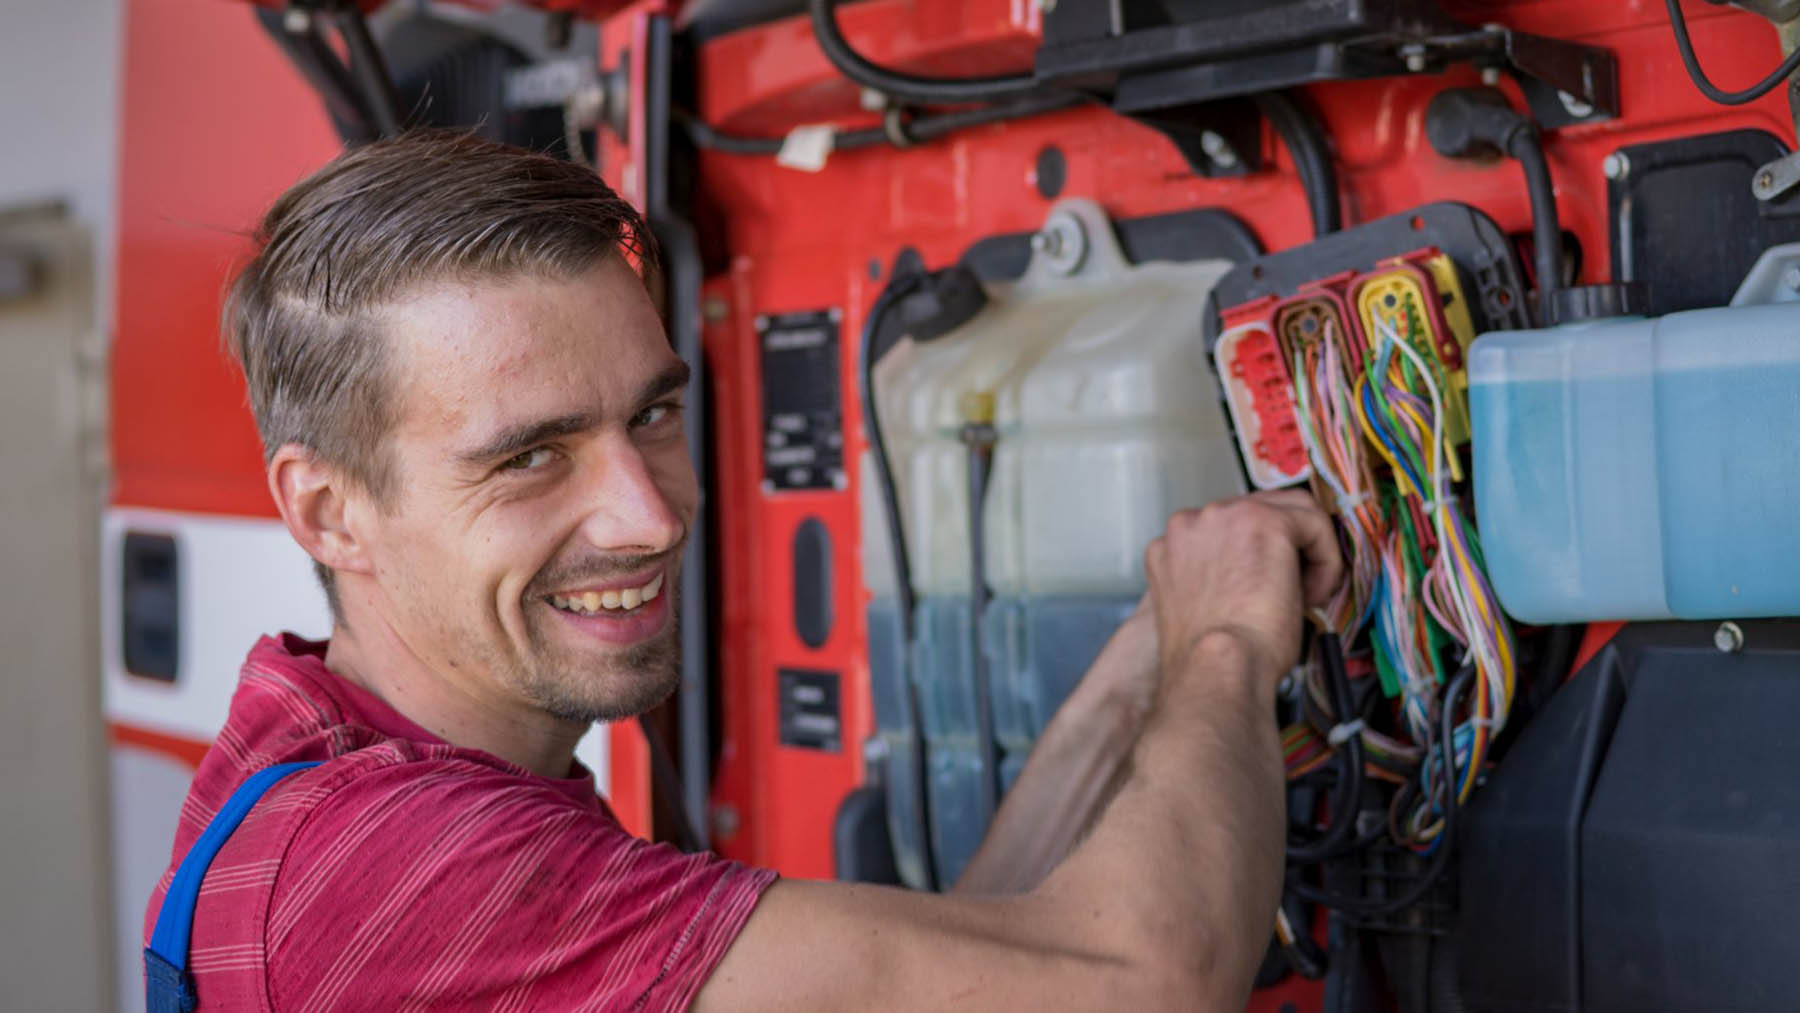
1187, 859
1075, 768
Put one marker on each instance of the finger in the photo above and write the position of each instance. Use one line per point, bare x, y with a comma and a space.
1322, 561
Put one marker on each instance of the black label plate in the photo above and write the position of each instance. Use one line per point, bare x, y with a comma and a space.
803, 424
809, 710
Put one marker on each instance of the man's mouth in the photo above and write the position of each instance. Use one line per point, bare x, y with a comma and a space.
615, 600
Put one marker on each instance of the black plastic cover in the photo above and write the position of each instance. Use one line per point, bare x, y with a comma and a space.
1685, 221
1639, 846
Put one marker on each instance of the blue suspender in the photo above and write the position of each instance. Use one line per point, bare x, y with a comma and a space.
168, 986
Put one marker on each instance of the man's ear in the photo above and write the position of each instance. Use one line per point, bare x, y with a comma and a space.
318, 504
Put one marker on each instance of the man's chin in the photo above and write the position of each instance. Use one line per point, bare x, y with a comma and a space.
626, 682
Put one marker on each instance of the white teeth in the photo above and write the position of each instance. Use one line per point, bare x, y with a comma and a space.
593, 601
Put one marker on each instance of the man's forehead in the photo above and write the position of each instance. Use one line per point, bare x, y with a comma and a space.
477, 353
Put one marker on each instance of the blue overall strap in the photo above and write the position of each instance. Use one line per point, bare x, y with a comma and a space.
168, 986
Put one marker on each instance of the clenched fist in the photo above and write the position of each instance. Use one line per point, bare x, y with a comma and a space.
1247, 567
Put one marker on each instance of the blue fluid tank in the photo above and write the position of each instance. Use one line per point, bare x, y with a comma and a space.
1642, 469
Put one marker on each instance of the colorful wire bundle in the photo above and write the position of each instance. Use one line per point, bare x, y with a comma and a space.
1417, 580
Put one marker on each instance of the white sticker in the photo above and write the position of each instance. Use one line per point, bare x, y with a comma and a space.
806, 148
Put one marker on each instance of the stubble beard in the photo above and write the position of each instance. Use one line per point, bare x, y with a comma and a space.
632, 681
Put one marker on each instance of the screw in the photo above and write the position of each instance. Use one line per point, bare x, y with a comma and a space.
873, 100
297, 20
1414, 55
1765, 181
1490, 76
1047, 242
1729, 637
725, 821
1218, 149
1616, 166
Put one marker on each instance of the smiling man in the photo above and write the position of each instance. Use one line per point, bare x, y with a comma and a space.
473, 424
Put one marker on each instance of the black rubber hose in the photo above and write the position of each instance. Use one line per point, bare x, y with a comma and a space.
1306, 142
897, 289
1685, 44
1440, 859
919, 130
370, 71
319, 64
1546, 227
1346, 799
908, 87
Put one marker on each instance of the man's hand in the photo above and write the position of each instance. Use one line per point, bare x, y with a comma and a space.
1247, 567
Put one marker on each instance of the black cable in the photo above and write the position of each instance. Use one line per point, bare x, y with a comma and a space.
897, 289
1367, 907
1305, 139
1685, 44
1546, 227
370, 71
908, 87
1480, 122
1346, 799
319, 64
918, 130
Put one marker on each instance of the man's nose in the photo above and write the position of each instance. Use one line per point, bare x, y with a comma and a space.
630, 506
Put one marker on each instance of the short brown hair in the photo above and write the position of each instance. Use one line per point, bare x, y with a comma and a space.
379, 220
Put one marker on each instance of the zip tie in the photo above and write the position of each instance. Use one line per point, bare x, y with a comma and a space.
1354, 500
1341, 733
894, 125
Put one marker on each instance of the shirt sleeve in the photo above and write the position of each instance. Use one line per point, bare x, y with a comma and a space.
449, 885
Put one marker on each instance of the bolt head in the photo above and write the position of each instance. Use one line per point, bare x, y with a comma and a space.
1490, 76
1729, 637
1765, 180
1218, 149
297, 20
1415, 62
1616, 166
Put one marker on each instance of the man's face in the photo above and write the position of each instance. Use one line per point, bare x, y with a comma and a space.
530, 551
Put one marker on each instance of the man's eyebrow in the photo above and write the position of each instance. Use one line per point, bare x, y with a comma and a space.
673, 378
516, 439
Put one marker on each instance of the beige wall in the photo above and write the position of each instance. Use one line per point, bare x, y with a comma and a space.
55, 885
59, 73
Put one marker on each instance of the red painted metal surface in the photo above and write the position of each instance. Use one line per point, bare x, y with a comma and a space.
786, 240
214, 124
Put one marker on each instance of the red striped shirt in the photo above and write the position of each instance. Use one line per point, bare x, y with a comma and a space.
406, 873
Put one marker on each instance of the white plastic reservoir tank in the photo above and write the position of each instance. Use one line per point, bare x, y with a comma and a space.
1108, 415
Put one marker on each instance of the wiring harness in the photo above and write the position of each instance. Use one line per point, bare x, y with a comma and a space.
1416, 590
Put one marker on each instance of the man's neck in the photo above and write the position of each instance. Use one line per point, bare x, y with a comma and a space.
374, 657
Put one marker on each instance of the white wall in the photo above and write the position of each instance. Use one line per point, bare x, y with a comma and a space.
59, 83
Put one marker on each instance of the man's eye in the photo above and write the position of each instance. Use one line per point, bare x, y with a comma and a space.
529, 460
664, 411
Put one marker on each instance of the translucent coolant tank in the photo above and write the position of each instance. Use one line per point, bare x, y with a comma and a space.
1108, 419
1108, 414
1642, 468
